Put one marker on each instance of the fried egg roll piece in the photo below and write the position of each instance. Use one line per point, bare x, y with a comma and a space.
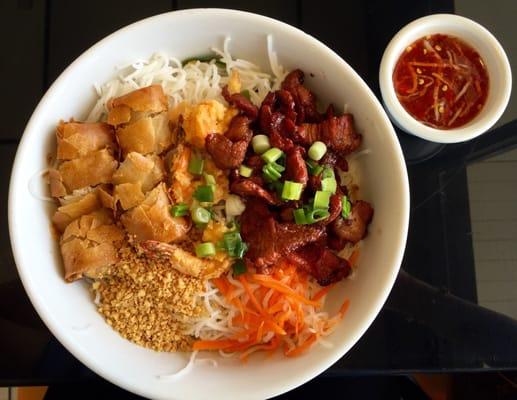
152, 220
78, 139
95, 168
148, 100
90, 245
136, 176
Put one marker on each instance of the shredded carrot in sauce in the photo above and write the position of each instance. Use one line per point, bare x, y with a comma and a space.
456, 73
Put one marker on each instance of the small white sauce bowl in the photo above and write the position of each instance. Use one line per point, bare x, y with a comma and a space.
492, 53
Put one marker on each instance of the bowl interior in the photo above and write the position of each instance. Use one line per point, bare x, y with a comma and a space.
68, 310
488, 48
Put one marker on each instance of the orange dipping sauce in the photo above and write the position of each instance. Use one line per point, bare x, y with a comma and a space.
441, 81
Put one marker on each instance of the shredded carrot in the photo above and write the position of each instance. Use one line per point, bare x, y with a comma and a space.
273, 313
213, 344
253, 299
304, 346
344, 307
271, 283
323, 292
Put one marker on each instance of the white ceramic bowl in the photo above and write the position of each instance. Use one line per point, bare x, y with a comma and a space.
489, 49
68, 310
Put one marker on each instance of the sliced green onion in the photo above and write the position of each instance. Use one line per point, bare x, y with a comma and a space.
203, 58
321, 200
260, 143
209, 179
205, 249
313, 167
277, 186
316, 215
292, 190
272, 155
317, 150
329, 185
204, 193
195, 166
328, 172
347, 207
299, 216
317, 170
245, 171
239, 267
233, 243
278, 167
179, 210
246, 93
200, 215
270, 173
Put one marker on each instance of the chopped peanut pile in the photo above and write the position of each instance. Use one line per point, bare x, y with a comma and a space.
145, 299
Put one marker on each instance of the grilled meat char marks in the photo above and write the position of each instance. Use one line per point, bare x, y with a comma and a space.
296, 169
229, 150
354, 228
251, 188
240, 102
290, 119
321, 263
269, 240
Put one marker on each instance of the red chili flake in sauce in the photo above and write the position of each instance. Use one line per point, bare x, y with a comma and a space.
441, 81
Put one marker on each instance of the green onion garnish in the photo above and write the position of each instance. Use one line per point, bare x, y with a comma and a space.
195, 166
245, 171
329, 185
204, 58
317, 150
321, 200
278, 167
204, 193
234, 245
299, 216
347, 207
260, 143
239, 267
292, 190
272, 155
200, 215
271, 173
209, 179
313, 167
328, 172
179, 210
205, 249
316, 215
246, 93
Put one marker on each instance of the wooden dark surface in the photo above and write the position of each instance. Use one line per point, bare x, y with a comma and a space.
42, 37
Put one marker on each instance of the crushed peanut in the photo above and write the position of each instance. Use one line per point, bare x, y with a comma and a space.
145, 299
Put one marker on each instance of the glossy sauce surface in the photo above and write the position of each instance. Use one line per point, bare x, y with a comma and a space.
441, 81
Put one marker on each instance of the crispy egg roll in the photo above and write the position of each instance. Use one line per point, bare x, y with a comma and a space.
89, 245
151, 220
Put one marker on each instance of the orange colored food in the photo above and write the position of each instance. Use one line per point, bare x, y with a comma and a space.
441, 81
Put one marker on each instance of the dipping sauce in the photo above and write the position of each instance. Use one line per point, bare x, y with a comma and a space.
441, 81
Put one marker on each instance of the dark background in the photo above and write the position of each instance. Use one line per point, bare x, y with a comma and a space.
431, 322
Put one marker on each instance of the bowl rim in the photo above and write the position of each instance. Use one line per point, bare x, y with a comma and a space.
408, 123
15, 233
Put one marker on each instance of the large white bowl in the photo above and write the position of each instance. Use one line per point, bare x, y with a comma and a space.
68, 310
